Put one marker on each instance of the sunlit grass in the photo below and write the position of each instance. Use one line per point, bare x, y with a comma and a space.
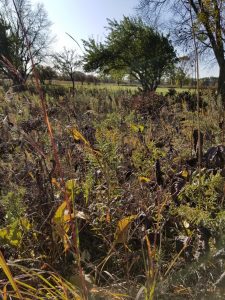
113, 86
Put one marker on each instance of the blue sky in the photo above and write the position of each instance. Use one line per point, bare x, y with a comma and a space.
84, 18
87, 18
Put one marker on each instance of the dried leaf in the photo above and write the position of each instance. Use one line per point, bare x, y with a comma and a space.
186, 224
81, 215
108, 217
5, 292
55, 183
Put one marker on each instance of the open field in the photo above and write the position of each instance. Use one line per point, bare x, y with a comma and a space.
115, 87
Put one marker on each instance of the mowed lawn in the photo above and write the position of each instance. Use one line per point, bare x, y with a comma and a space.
112, 86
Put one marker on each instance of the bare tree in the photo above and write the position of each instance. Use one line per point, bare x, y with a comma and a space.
209, 22
26, 27
67, 63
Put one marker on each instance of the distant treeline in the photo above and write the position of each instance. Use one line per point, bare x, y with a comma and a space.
48, 75
205, 82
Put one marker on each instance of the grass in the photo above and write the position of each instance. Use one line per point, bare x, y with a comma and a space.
132, 236
114, 87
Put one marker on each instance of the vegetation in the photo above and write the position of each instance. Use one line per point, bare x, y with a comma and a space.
15, 59
134, 48
208, 20
147, 220
111, 193
67, 63
46, 73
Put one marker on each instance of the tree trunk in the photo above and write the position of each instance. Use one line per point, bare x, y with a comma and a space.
73, 88
221, 82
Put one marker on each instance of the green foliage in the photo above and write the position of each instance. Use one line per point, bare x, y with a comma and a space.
108, 153
16, 224
204, 19
132, 47
46, 73
201, 199
5, 42
13, 204
109, 140
13, 233
117, 75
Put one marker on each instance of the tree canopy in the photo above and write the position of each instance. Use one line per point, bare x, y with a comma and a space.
23, 29
46, 73
66, 62
207, 18
133, 47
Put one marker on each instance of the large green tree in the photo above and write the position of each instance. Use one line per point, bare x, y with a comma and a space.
205, 17
24, 29
133, 47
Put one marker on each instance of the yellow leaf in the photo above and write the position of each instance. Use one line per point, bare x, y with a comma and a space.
61, 220
59, 214
123, 225
8, 273
137, 128
66, 242
25, 224
67, 217
78, 136
13, 233
184, 173
31, 175
70, 187
3, 233
5, 292
28, 156
55, 183
141, 128
143, 179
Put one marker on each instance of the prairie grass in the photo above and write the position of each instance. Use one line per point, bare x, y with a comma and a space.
134, 241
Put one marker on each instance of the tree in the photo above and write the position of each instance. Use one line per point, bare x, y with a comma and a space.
133, 47
207, 16
91, 79
117, 75
4, 41
80, 76
67, 63
33, 34
181, 70
46, 73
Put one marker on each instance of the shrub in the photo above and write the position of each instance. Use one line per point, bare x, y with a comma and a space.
148, 104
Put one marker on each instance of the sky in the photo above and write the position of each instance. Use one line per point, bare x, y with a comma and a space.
88, 18
84, 18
